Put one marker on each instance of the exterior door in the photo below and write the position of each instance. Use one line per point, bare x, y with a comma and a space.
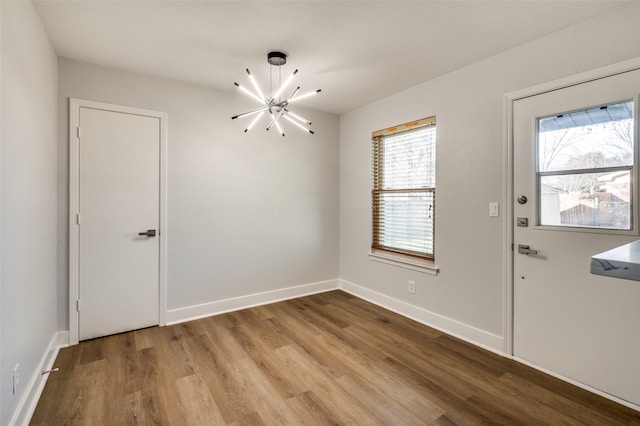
118, 217
576, 195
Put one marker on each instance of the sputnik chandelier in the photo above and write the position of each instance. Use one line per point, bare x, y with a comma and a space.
274, 105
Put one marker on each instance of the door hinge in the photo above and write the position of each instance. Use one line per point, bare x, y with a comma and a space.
78, 305
78, 219
78, 132
511, 246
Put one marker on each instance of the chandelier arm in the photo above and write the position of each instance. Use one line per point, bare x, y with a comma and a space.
297, 117
255, 85
255, 120
275, 119
306, 95
294, 94
279, 128
298, 124
250, 93
251, 112
286, 83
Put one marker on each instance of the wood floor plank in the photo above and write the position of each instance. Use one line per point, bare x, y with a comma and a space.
292, 327
134, 414
122, 365
199, 407
262, 396
252, 419
329, 358
93, 403
262, 312
151, 383
217, 374
326, 392
368, 373
272, 338
618, 414
315, 314
305, 407
434, 373
92, 351
226, 341
535, 395
147, 337
388, 410
271, 368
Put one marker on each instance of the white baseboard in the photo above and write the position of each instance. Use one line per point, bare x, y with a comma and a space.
29, 401
450, 326
63, 339
475, 336
190, 313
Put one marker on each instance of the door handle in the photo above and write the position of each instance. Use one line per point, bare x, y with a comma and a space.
523, 249
148, 233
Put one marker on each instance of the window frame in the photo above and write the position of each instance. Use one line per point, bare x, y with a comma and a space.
381, 252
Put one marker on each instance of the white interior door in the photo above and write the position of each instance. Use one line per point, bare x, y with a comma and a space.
575, 161
119, 197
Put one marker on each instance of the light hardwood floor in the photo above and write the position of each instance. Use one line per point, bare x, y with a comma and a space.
325, 359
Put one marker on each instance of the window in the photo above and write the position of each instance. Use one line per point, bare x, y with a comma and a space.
585, 168
404, 189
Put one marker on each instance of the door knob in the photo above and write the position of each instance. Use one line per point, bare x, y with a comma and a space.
523, 249
148, 233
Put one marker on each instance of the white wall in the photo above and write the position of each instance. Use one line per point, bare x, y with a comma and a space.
247, 212
29, 198
471, 171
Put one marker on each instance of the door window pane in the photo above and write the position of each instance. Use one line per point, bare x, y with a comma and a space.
585, 161
593, 200
592, 138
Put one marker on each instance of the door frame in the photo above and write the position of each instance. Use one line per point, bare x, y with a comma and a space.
508, 198
74, 204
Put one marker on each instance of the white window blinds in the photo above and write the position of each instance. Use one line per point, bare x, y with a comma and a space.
404, 188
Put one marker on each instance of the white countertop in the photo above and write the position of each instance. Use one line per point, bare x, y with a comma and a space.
620, 262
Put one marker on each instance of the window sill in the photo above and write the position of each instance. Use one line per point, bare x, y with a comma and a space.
425, 266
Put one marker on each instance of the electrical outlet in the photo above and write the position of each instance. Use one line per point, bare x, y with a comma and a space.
412, 287
16, 378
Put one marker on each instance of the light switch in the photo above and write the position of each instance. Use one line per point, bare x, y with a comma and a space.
493, 209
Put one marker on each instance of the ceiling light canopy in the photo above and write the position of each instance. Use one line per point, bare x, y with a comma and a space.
274, 104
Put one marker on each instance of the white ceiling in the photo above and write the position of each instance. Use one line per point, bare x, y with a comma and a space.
356, 51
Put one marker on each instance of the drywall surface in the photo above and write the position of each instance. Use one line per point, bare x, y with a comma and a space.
28, 198
471, 168
247, 212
